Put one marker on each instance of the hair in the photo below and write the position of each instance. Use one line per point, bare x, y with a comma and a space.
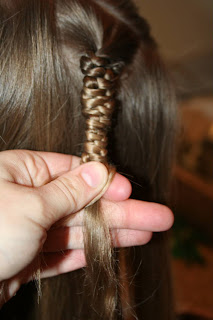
66, 60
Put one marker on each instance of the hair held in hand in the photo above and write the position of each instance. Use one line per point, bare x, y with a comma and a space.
99, 102
84, 77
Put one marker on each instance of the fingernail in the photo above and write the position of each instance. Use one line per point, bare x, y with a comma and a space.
94, 174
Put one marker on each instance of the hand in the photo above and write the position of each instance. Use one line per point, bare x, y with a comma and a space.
38, 189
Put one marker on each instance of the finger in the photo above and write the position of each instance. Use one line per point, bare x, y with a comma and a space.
120, 189
57, 164
34, 169
54, 264
138, 215
131, 214
70, 192
73, 238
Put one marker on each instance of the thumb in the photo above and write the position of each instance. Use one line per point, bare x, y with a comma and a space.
71, 192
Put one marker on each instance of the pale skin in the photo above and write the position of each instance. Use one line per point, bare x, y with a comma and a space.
38, 190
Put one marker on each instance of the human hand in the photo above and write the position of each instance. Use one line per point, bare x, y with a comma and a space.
38, 189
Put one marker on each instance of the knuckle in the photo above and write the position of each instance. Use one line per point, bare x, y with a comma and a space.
37, 202
37, 168
70, 190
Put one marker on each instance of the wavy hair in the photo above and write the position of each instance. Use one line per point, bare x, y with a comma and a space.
84, 77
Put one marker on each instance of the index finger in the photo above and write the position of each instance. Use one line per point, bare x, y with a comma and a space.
131, 214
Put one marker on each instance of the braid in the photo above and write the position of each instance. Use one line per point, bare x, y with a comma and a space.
99, 102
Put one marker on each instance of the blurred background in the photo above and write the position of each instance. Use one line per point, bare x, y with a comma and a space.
183, 30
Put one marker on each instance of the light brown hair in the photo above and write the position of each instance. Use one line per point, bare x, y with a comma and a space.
41, 45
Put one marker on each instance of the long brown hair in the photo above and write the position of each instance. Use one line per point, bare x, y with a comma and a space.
41, 45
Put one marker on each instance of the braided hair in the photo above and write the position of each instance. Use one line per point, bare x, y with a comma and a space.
98, 104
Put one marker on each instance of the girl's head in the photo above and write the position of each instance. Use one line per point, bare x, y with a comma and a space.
41, 80
42, 46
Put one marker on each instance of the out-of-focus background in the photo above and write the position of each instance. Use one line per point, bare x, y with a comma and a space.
184, 32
